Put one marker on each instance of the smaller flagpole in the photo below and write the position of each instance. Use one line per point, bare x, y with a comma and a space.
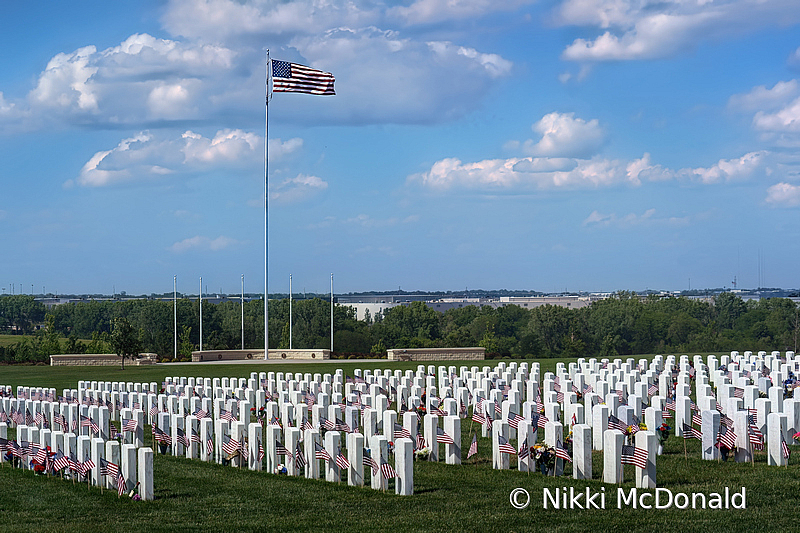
290, 311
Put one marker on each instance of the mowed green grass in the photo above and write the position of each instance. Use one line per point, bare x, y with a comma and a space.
191, 495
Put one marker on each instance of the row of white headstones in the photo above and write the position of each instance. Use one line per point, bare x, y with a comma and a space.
778, 418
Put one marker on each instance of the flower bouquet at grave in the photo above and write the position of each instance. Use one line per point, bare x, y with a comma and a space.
422, 454
545, 457
262, 412
281, 470
663, 433
796, 436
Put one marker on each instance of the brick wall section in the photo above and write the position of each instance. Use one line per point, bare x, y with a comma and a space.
237, 355
99, 359
437, 354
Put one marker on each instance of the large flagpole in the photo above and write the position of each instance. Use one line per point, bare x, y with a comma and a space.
266, 213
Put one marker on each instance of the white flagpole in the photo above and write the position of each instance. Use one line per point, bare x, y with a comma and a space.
242, 311
201, 313
266, 211
331, 312
175, 313
290, 311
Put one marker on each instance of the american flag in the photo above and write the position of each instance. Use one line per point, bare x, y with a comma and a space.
120, 484
195, 437
420, 441
473, 447
369, 462
738, 392
260, 451
387, 471
231, 446
29, 420
784, 448
299, 458
541, 421
91, 424
39, 419
62, 421
514, 419
74, 464
443, 437
726, 437
153, 411
113, 430
653, 389
209, 446
631, 455
504, 446
3, 415
181, 437
200, 414
670, 404
129, 424
697, 420
562, 452
689, 432
306, 424
320, 452
401, 431
60, 461
341, 460
107, 468
628, 453
340, 425
40, 456
616, 423
498, 409
280, 449
224, 414
478, 417
524, 451
327, 424
161, 436
755, 436
86, 466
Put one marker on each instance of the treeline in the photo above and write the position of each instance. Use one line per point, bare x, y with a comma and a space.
621, 325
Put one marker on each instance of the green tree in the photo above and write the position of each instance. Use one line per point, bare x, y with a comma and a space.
125, 340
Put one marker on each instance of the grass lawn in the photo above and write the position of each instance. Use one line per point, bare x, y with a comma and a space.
471, 497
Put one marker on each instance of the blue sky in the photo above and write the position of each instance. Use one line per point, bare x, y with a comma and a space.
575, 144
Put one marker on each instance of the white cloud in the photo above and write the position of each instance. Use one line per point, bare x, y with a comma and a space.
204, 244
149, 156
563, 135
728, 170
144, 78
392, 81
760, 98
520, 175
597, 219
783, 195
430, 11
524, 175
297, 189
636, 29
367, 221
786, 119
